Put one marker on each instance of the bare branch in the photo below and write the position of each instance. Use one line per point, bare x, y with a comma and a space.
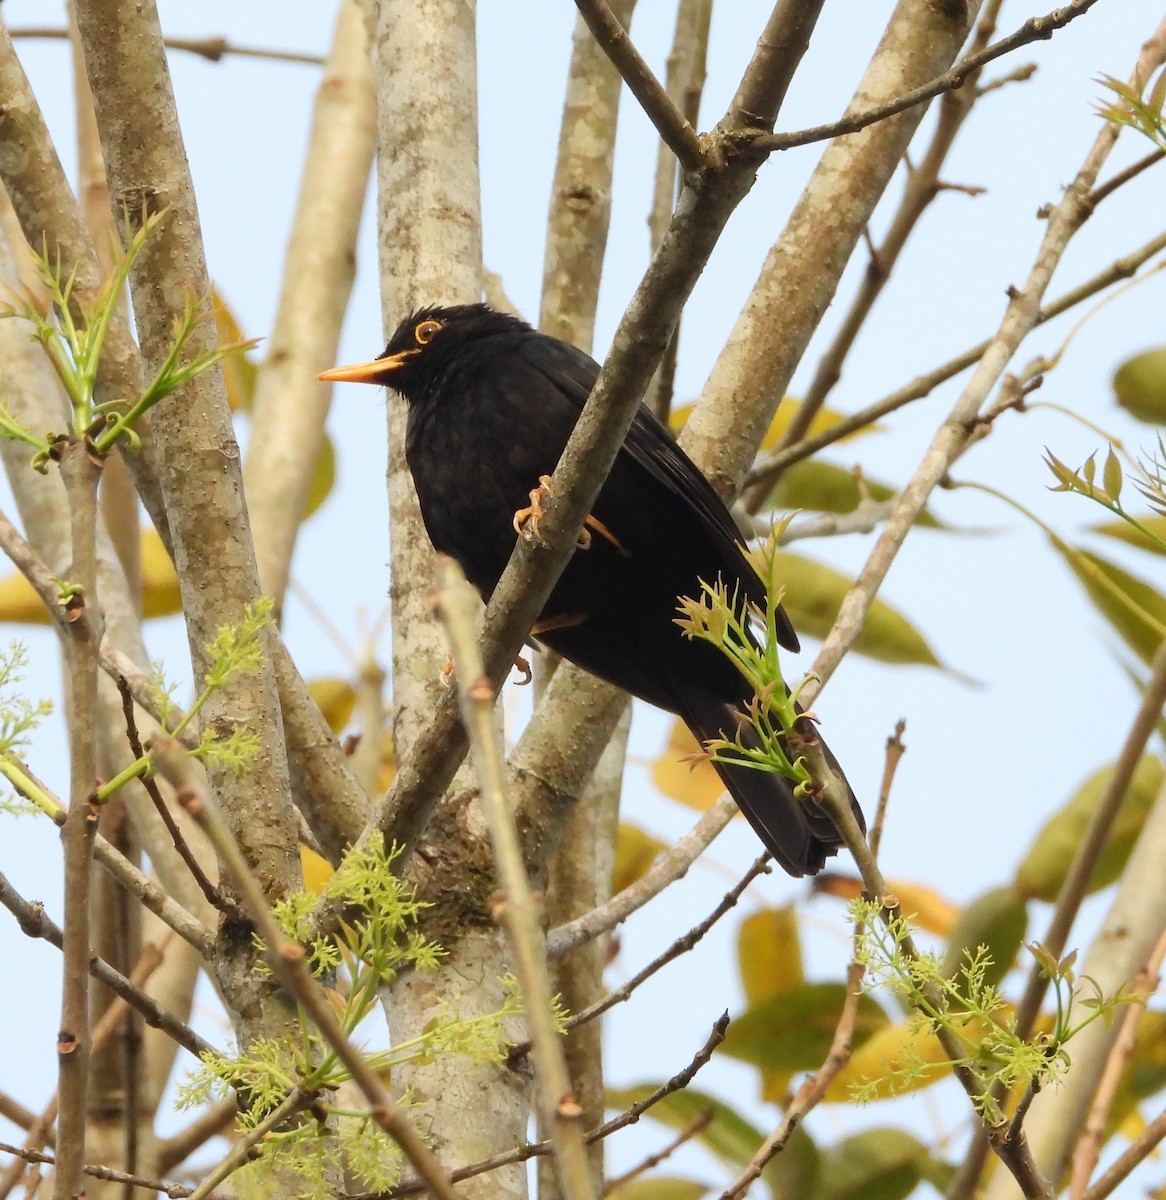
654, 100
1034, 29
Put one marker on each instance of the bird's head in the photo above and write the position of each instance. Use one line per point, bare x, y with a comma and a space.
424, 342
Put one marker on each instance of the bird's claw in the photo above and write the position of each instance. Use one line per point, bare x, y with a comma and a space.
526, 520
522, 666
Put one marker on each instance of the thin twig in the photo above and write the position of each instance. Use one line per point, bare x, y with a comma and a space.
1033, 30
288, 960
682, 945
1134, 1155
34, 922
677, 1083
671, 866
670, 122
213, 49
515, 907
770, 467
697, 1125
213, 895
79, 472
176, 1191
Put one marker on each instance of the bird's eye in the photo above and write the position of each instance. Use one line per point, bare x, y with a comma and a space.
425, 332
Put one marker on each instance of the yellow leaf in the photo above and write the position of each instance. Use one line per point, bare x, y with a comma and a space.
921, 905
635, 851
239, 371
317, 870
824, 418
19, 604
894, 1048
336, 699
1123, 531
160, 595
695, 784
769, 953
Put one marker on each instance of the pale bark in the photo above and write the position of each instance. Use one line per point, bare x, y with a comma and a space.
199, 474
290, 406
801, 272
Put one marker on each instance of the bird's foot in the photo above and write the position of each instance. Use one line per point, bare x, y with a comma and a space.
526, 520
522, 666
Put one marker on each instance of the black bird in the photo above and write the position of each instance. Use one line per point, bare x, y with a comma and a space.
492, 403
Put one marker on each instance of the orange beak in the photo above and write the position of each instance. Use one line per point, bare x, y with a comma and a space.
376, 371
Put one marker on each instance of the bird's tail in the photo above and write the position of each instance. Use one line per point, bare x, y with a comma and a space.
797, 832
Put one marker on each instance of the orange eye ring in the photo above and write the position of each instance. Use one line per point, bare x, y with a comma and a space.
425, 332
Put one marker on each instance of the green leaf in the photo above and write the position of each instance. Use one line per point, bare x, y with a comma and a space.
823, 487
1139, 385
729, 1137
1135, 609
1046, 864
878, 1164
792, 1031
659, 1187
996, 920
813, 595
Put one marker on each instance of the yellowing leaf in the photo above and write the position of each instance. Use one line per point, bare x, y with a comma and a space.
1135, 609
335, 698
823, 487
19, 603
635, 851
659, 1187
323, 477
695, 784
1046, 864
1139, 385
769, 953
813, 595
1123, 531
792, 1031
877, 1164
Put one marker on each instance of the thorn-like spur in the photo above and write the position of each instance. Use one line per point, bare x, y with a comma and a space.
558, 621
593, 522
526, 520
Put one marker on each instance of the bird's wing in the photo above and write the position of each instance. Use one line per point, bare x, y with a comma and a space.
655, 450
